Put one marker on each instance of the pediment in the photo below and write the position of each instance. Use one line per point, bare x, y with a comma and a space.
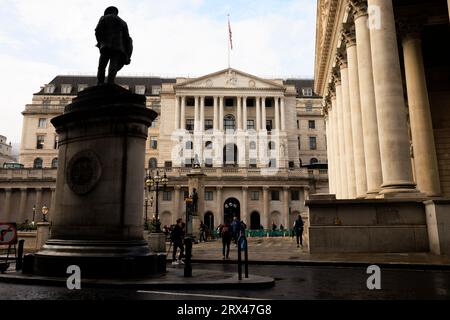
230, 78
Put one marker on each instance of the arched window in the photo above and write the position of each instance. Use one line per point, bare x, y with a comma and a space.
208, 145
152, 163
252, 145
55, 163
38, 163
189, 145
272, 145
314, 161
229, 122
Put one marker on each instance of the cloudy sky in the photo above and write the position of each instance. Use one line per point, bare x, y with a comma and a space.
41, 39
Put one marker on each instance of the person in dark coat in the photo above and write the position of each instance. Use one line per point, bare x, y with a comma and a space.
225, 233
177, 236
298, 230
114, 43
203, 229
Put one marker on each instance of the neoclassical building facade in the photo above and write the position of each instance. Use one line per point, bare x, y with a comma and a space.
261, 143
382, 68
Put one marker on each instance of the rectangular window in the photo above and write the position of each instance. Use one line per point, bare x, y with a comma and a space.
56, 145
209, 124
298, 124
275, 195
299, 143
154, 124
209, 102
254, 195
209, 196
307, 92
269, 125
250, 124
229, 102
66, 89
251, 102
295, 195
140, 90
168, 164
40, 142
269, 103
309, 107
189, 162
154, 143
208, 163
190, 125
311, 124
42, 123
156, 90
253, 163
167, 196
291, 164
312, 143
49, 89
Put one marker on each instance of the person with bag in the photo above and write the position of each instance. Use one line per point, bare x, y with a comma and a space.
298, 230
225, 233
177, 236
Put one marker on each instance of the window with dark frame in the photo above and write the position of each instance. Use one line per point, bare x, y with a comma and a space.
275, 195
40, 141
312, 143
167, 195
311, 124
209, 196
190, 125
254, 195
295, 195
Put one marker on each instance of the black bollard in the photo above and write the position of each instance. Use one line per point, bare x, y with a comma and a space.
246, 258
188, 258
240, 242
19, 261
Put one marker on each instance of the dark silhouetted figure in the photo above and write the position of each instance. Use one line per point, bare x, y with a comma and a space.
115, 44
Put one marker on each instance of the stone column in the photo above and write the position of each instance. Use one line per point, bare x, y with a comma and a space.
202, 114
183, 113
196, 115
177, 205
329, 151
216, 117
219, 205
368, 105
285, 214
266, 218
425, 161
258, 114
277, 113
23, 205
391, 111
263, 114
177, 112
245, 114
52, 203
8, 194
342, 185
283, 115
221, 113
336, 151
355, 107
347, 127
38, 201
245, 216
239, 113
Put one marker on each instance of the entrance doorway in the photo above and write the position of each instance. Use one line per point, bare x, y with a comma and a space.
255, 221
209, 220
230, 155
232, 208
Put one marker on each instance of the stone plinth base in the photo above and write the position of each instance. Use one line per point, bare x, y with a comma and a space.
438, 220
157, 242
365, 226
43, 232
98, 259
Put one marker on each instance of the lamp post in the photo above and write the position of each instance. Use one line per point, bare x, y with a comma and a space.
146, 216
154, 183
34, 215
44, 213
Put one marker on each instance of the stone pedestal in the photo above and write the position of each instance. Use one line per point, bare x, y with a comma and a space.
42, 234
97, 223
438, 222
196, 180
157, 242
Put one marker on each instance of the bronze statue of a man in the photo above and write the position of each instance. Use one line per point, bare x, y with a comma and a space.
115, 44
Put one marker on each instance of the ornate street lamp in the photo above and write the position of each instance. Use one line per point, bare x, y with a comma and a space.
34, 215
154, 183
44, 213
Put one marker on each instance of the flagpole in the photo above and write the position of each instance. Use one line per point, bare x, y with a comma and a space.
229, 43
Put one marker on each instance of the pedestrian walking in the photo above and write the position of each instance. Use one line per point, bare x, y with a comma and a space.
203, 229
298, 230
177, 236
235, 230
225, 233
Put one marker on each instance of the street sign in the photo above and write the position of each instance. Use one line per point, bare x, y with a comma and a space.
8, 234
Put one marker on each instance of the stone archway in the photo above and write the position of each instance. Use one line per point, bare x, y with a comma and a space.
209, 220
232, 208
255, 221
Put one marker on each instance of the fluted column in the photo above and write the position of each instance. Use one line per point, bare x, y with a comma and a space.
425, 160
335, 143
183, 113
283, 114
348, 132
266, 217
177, 203
38, 198
8, 194
245, 114
258, 114
277, 113
285, 214
221, 113
196, 115
329, 151
341, 141
202, 114
52, 202
263, 114
216, 116
239, 113
392, 124
367, 95
219, 205
177, 112
355, 108
23, 205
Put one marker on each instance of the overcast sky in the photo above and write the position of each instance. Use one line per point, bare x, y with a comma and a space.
40, 39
